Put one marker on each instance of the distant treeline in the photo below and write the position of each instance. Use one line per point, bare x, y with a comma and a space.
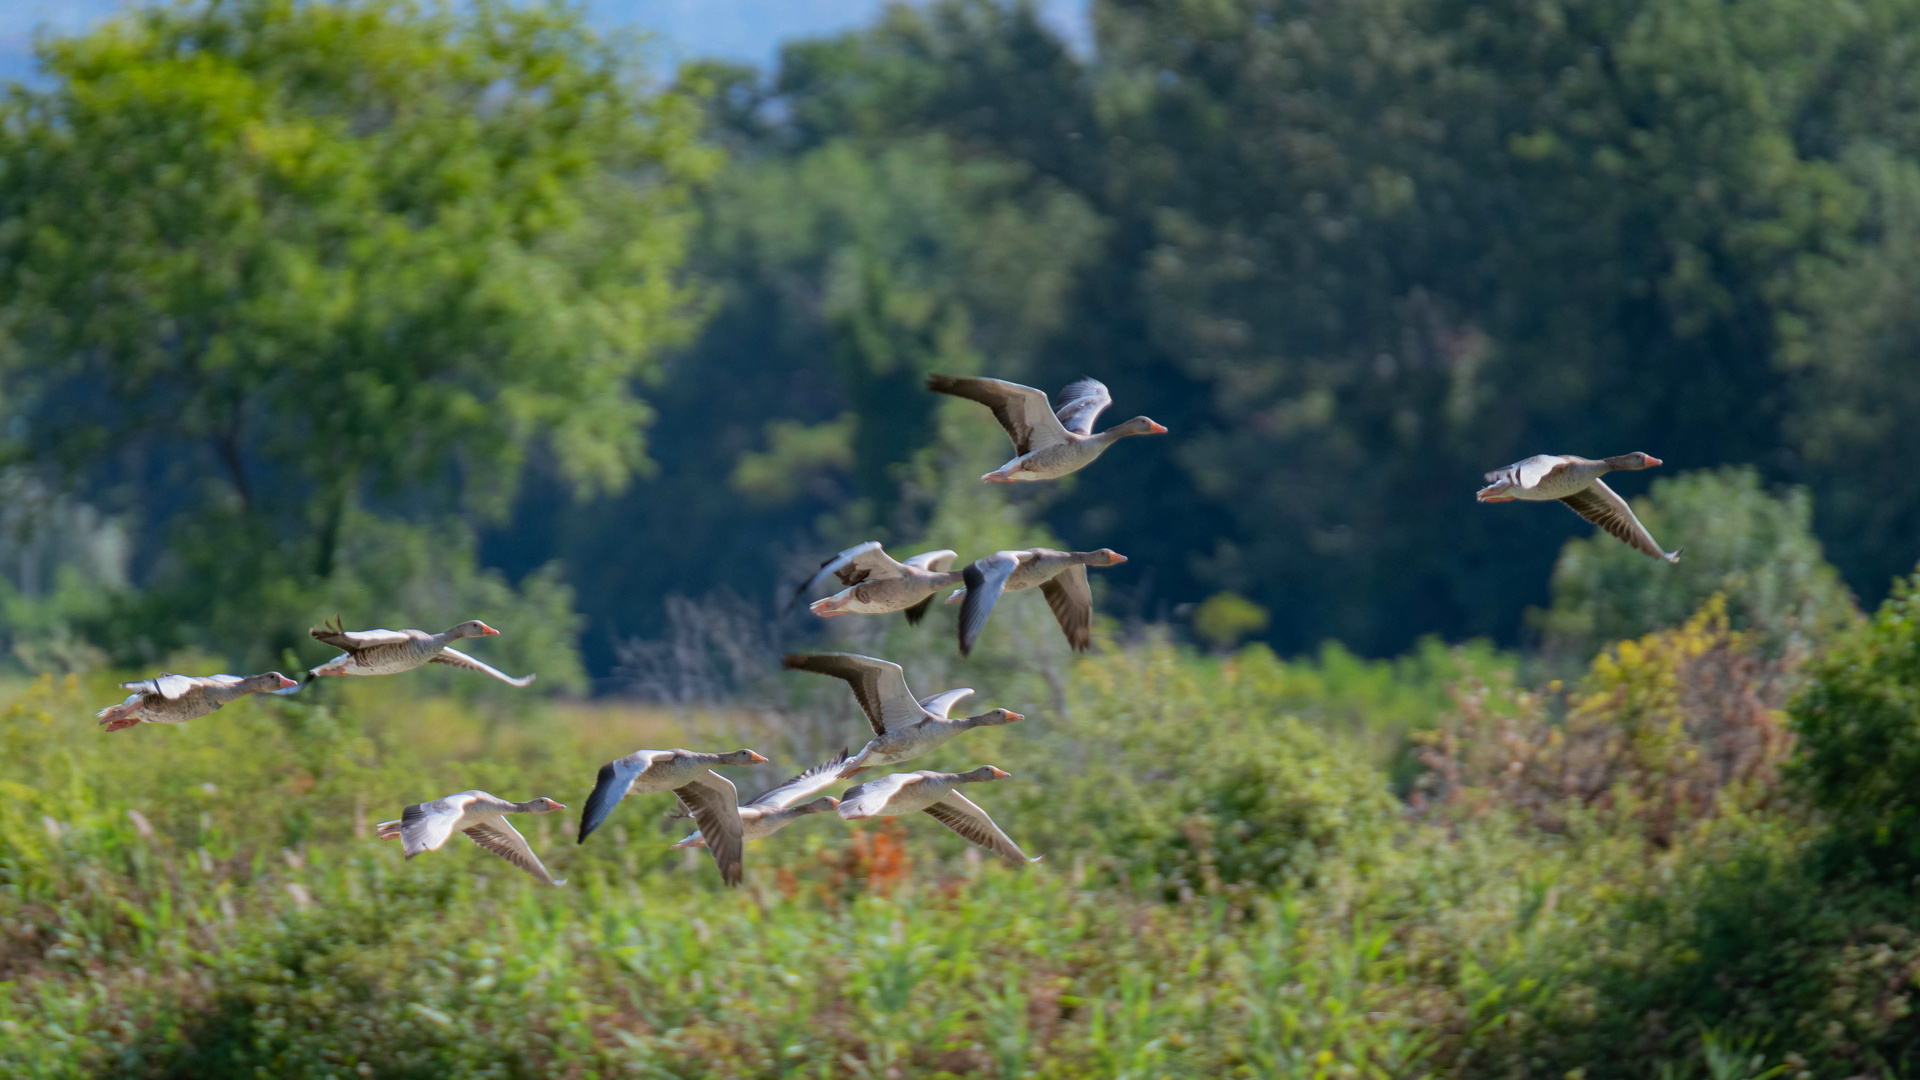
1353, 254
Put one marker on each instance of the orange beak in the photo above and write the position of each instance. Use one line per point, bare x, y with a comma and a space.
1012, 716
1117, 559
558, 805
1156, 429
286, 682
487, 631
757, 759
998, 774
1651, 460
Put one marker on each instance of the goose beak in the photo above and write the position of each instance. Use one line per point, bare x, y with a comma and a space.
1651, 460
1115, 559
1156, 429
488, 631
284, 681
999, 774
556, 805
1012, 716
757, 759
834, 801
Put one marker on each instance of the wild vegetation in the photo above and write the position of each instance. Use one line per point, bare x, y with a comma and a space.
420, 313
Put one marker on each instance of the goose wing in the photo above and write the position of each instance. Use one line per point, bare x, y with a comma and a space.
505, 841
861, 562
871, 798
942, 704
1080, 403
1071, 599
879, 685
715, 807
611, 785
169, 686
1022, 410
802, 786
958, 813
455, 658
425, 826
336, 635
1600, 505
986, 579
936, 561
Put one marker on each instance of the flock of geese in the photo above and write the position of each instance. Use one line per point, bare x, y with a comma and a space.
1049, 443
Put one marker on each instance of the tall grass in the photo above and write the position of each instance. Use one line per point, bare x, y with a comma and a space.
1230, 889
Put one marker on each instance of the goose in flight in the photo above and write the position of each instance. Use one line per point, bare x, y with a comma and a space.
1061, 576
903, 727
1047, 443
483, 817
776, 808
389, 652
710, 798
933, 792
876, 585
176, 699
1576, 482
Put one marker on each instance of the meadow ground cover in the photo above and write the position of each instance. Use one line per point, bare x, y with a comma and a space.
1232, 887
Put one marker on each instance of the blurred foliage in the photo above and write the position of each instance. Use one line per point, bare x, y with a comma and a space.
1678, 726
1859, 726
1229, 887
1757, 550
266, 263
1352, 254
1224, 618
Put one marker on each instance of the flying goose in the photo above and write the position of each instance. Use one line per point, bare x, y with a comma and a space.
1576, 482
176, 699
1047, 444
1061, 576
483, 817
903, 727
776, 808
709, 797
876, 585
904, 793
389, 652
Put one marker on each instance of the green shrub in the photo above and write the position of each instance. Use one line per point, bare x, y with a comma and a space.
1859, 729
1757, 549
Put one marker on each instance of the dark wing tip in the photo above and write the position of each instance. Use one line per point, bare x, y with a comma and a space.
919, 611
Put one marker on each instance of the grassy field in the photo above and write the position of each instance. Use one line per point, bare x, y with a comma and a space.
1235, 884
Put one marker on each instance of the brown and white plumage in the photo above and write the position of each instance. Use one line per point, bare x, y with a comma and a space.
933, 793
389, 652
710, 798
903, 726
779, 806
1061, 577
877, 585
175, 699
1047, 444
1576, 482
425, 826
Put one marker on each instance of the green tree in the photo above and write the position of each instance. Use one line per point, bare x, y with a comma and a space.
1755, 548
1858, 724
265, 261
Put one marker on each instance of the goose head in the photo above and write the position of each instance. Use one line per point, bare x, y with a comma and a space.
268, 682
472, 628
821, 805
740, 757
994, 718
1139, 425
544, 805
1106, 557
1632, 462
984, 773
